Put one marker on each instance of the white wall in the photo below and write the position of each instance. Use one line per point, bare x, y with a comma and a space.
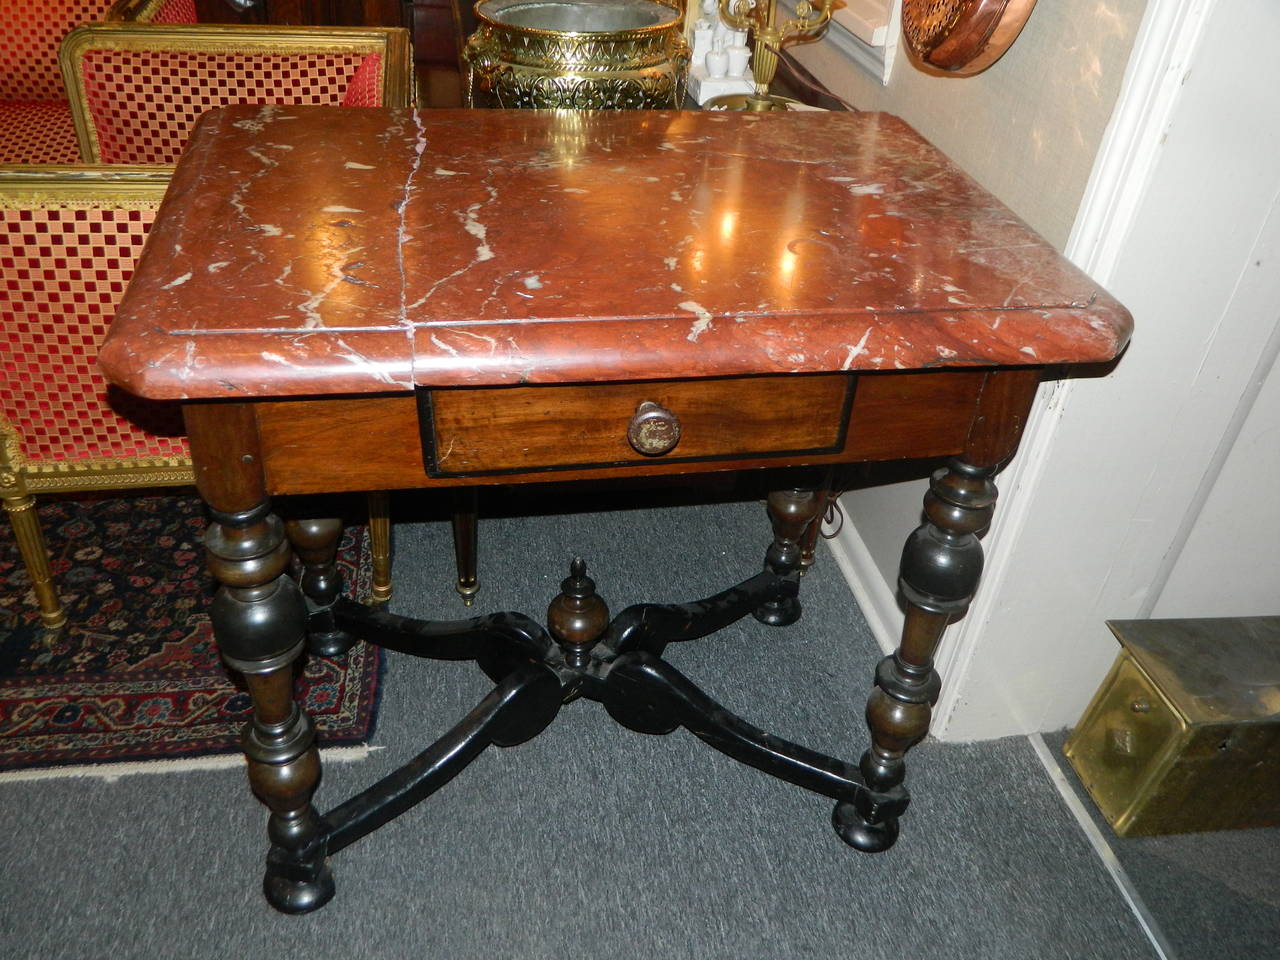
1132, 452
1028, 130
1229, 563
1119, 494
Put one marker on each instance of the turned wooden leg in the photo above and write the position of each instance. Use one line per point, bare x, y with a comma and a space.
380, 545
791, 513
35, 557
465, 527
809, 543
316, 544
941, 566
259, 621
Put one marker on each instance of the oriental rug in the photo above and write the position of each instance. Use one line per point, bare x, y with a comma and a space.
135, 675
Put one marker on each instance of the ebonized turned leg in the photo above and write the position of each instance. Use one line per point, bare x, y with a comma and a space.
791, 513
316, 544
809, 542
259, 621
941, 566
826, 494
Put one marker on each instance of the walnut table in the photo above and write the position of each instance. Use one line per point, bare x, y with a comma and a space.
373, 299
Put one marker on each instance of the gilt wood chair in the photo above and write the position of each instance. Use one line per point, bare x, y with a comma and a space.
69, 238
136, 91
35, 114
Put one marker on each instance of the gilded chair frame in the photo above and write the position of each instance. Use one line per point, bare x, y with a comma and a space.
392, 42
134, 11
21, 478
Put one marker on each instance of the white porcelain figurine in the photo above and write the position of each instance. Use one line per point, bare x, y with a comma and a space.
719, 64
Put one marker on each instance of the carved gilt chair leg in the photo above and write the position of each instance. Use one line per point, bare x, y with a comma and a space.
791, 513
35, 557
380, 544
259, 621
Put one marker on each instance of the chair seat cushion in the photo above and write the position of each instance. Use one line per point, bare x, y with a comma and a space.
37, 131
30, 33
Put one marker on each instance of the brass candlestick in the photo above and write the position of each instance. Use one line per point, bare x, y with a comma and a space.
768, 40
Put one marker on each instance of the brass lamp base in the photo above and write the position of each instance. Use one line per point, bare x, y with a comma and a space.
755, 102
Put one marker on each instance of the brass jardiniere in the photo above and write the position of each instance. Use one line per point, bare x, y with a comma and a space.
576, 54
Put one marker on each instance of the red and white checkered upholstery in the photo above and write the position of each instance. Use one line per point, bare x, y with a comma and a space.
39, 131
143, 103
35, 120
30, 33
176, 11
63, 268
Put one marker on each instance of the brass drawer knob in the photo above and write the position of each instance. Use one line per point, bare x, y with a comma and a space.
654, 430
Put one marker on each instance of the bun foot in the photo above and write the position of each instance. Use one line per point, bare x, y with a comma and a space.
860, 833
779, 613
330, 643
298, 896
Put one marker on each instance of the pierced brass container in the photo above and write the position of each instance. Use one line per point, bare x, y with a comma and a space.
576, 54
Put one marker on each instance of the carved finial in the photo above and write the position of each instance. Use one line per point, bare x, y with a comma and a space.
577, 617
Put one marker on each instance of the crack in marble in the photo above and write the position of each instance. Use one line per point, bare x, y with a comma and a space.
402, 233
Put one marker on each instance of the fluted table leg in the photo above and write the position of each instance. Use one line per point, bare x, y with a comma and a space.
35, 557
380, 544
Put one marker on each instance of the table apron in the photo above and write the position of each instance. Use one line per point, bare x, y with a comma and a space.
353, 443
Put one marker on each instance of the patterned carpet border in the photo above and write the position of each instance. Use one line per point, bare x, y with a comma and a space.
135, 675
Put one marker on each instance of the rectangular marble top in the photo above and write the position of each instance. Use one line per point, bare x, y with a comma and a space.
313, 250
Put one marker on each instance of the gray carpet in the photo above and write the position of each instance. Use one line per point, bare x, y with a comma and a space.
1215, 895
591, 840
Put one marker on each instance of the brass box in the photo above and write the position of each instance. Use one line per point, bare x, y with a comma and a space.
1184, 733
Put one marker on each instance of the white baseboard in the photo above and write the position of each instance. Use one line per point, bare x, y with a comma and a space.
111, 772
876, 597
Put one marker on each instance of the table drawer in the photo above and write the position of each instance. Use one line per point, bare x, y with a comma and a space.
485, 430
